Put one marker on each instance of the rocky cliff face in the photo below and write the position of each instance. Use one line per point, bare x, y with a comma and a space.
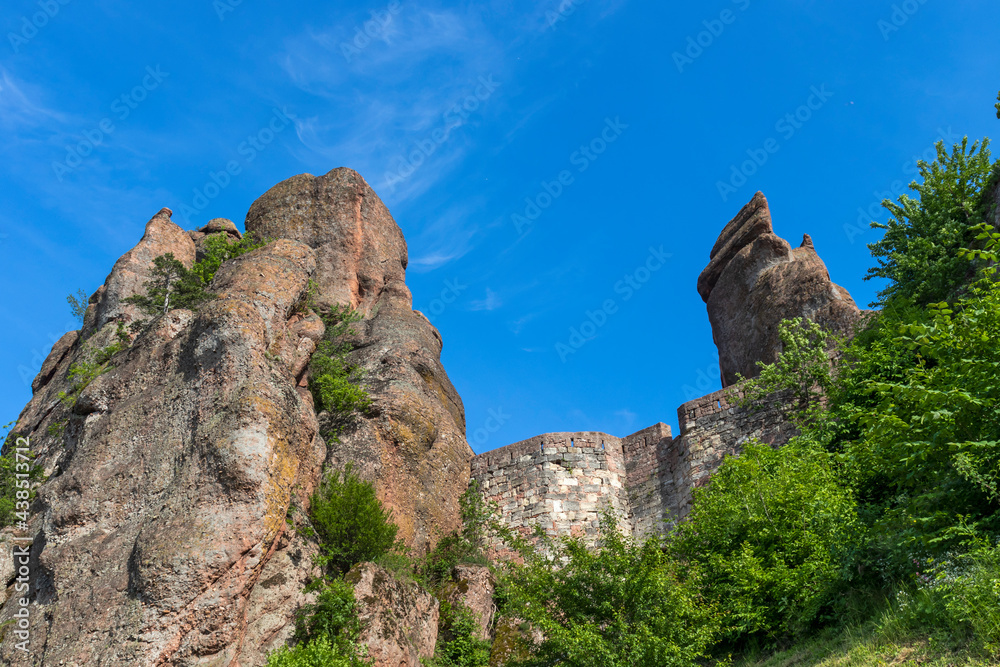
412, 444
754, 280
160, 536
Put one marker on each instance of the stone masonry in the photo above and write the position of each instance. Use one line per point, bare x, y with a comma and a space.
563, 481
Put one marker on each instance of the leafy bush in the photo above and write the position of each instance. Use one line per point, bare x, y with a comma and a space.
769, 533
332, 618
919, 252
623, 603
218, 248
335, 381
957, 598
92, 364
172, 285
319, 653
803, 369
350, 521
458, 645
932, 435
469, 543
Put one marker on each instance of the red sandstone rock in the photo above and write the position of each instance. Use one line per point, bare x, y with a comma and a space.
412, 444
755, 280
132, 270
400, 620
171, 478
473, 587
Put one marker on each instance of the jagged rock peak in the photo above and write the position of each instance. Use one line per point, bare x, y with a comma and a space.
754, 280
753, 220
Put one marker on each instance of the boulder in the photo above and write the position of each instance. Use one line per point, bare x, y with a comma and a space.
399, 620
754, 280
411, 444
472, 587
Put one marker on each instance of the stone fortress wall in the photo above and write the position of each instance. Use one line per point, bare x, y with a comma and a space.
563, 481
753, 281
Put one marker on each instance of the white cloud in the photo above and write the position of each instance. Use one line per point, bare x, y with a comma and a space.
491, 302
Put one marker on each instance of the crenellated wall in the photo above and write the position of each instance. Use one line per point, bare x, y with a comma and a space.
563, 481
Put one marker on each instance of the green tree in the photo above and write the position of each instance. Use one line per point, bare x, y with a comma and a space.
919, 253
351, 523
803, 370
171, 285
770, 533
622, 603
78, 304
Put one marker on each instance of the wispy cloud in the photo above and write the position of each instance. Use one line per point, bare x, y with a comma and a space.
408, 87
490, 302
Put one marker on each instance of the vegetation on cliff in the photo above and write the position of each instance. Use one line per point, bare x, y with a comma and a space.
873, 532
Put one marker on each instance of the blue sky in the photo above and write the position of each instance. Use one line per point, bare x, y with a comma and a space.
551, 163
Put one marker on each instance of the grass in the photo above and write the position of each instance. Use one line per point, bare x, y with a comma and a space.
868, 646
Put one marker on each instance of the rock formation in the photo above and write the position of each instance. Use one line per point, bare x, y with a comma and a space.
754, 280
160, 536
412, 443
399, 620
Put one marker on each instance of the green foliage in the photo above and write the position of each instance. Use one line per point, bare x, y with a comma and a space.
92, 364
18, 475
458, 645
78, 304
332, 618
350, 521
318, 653
998, 105
769, 534
335, 381
171, 285
218, 248
623, 603
467, 545
918, 253
930, 436
803, 369
955, 598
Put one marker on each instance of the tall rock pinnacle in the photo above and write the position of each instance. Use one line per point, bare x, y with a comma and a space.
754, 280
